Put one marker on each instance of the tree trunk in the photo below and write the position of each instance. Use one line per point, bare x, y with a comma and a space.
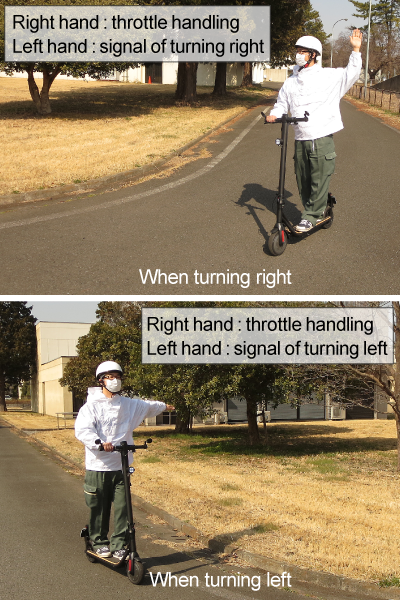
45, 108
186, 86
220, 80
180, 85
183, 423
42, 100
252, 426
34, 90
247, 80
3, 407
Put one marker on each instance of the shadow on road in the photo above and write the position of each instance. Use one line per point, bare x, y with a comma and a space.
177, 558
257, 198
255, 194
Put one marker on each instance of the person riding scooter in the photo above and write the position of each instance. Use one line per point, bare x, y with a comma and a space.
317, 91
109, 417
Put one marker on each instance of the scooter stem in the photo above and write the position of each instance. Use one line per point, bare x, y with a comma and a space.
127, 484
282, 168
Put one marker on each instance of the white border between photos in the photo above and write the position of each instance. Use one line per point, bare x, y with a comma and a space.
201, 298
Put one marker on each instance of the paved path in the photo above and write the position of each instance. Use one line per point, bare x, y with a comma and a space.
42, 511
214, 216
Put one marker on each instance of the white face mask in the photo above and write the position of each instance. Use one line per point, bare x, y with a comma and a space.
113, 385
300, 60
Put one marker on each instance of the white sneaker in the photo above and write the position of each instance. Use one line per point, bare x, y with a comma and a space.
119, 554
103, 552
304, 225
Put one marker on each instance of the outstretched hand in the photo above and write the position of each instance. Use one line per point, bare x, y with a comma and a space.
356, 39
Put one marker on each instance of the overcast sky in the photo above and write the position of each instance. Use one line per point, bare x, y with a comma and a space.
65, 311
331, 11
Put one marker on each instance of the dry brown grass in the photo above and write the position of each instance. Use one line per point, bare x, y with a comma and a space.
100, 128
321, 495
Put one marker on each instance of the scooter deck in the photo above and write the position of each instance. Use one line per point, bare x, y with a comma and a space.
292, 230
109, 560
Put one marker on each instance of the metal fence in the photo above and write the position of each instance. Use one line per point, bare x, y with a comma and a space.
382, 98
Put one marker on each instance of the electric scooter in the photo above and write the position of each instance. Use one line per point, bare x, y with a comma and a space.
135, 568
278, 239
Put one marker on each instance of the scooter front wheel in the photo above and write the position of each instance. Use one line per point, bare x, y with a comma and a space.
277, 242
135, 572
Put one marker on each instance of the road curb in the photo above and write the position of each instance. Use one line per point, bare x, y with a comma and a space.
302, 578
116, 179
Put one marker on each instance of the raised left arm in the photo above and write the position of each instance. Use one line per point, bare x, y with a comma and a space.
355, 40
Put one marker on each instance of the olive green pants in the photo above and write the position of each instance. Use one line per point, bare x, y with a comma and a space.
101, 489
314, 164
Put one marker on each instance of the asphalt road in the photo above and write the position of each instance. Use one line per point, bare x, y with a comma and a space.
213, 216
42, 512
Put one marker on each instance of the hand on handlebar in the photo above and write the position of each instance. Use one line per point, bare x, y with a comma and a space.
271, 118
108, 447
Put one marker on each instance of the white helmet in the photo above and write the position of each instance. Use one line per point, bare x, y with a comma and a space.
310, 43
106, 367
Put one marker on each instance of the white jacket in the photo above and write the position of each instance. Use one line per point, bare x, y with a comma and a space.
317, 91
110, 420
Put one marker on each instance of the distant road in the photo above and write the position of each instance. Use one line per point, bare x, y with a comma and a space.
213, 216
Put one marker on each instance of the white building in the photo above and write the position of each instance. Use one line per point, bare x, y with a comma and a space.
56, 345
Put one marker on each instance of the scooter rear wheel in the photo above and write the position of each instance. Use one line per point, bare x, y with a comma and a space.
329, 213
138, 572
275, 244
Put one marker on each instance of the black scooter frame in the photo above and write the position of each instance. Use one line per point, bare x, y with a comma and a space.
135, 567
283, 228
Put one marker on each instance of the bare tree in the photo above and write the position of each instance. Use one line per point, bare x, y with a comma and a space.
353, 384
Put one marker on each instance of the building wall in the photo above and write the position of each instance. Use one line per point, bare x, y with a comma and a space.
52, 398
58, 339
56, 345
205, 74
276, 74
170, 73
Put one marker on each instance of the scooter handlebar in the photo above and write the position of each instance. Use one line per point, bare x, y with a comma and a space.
292, 120
132, 448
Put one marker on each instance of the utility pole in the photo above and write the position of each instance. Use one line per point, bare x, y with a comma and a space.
332, 38
367, 57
